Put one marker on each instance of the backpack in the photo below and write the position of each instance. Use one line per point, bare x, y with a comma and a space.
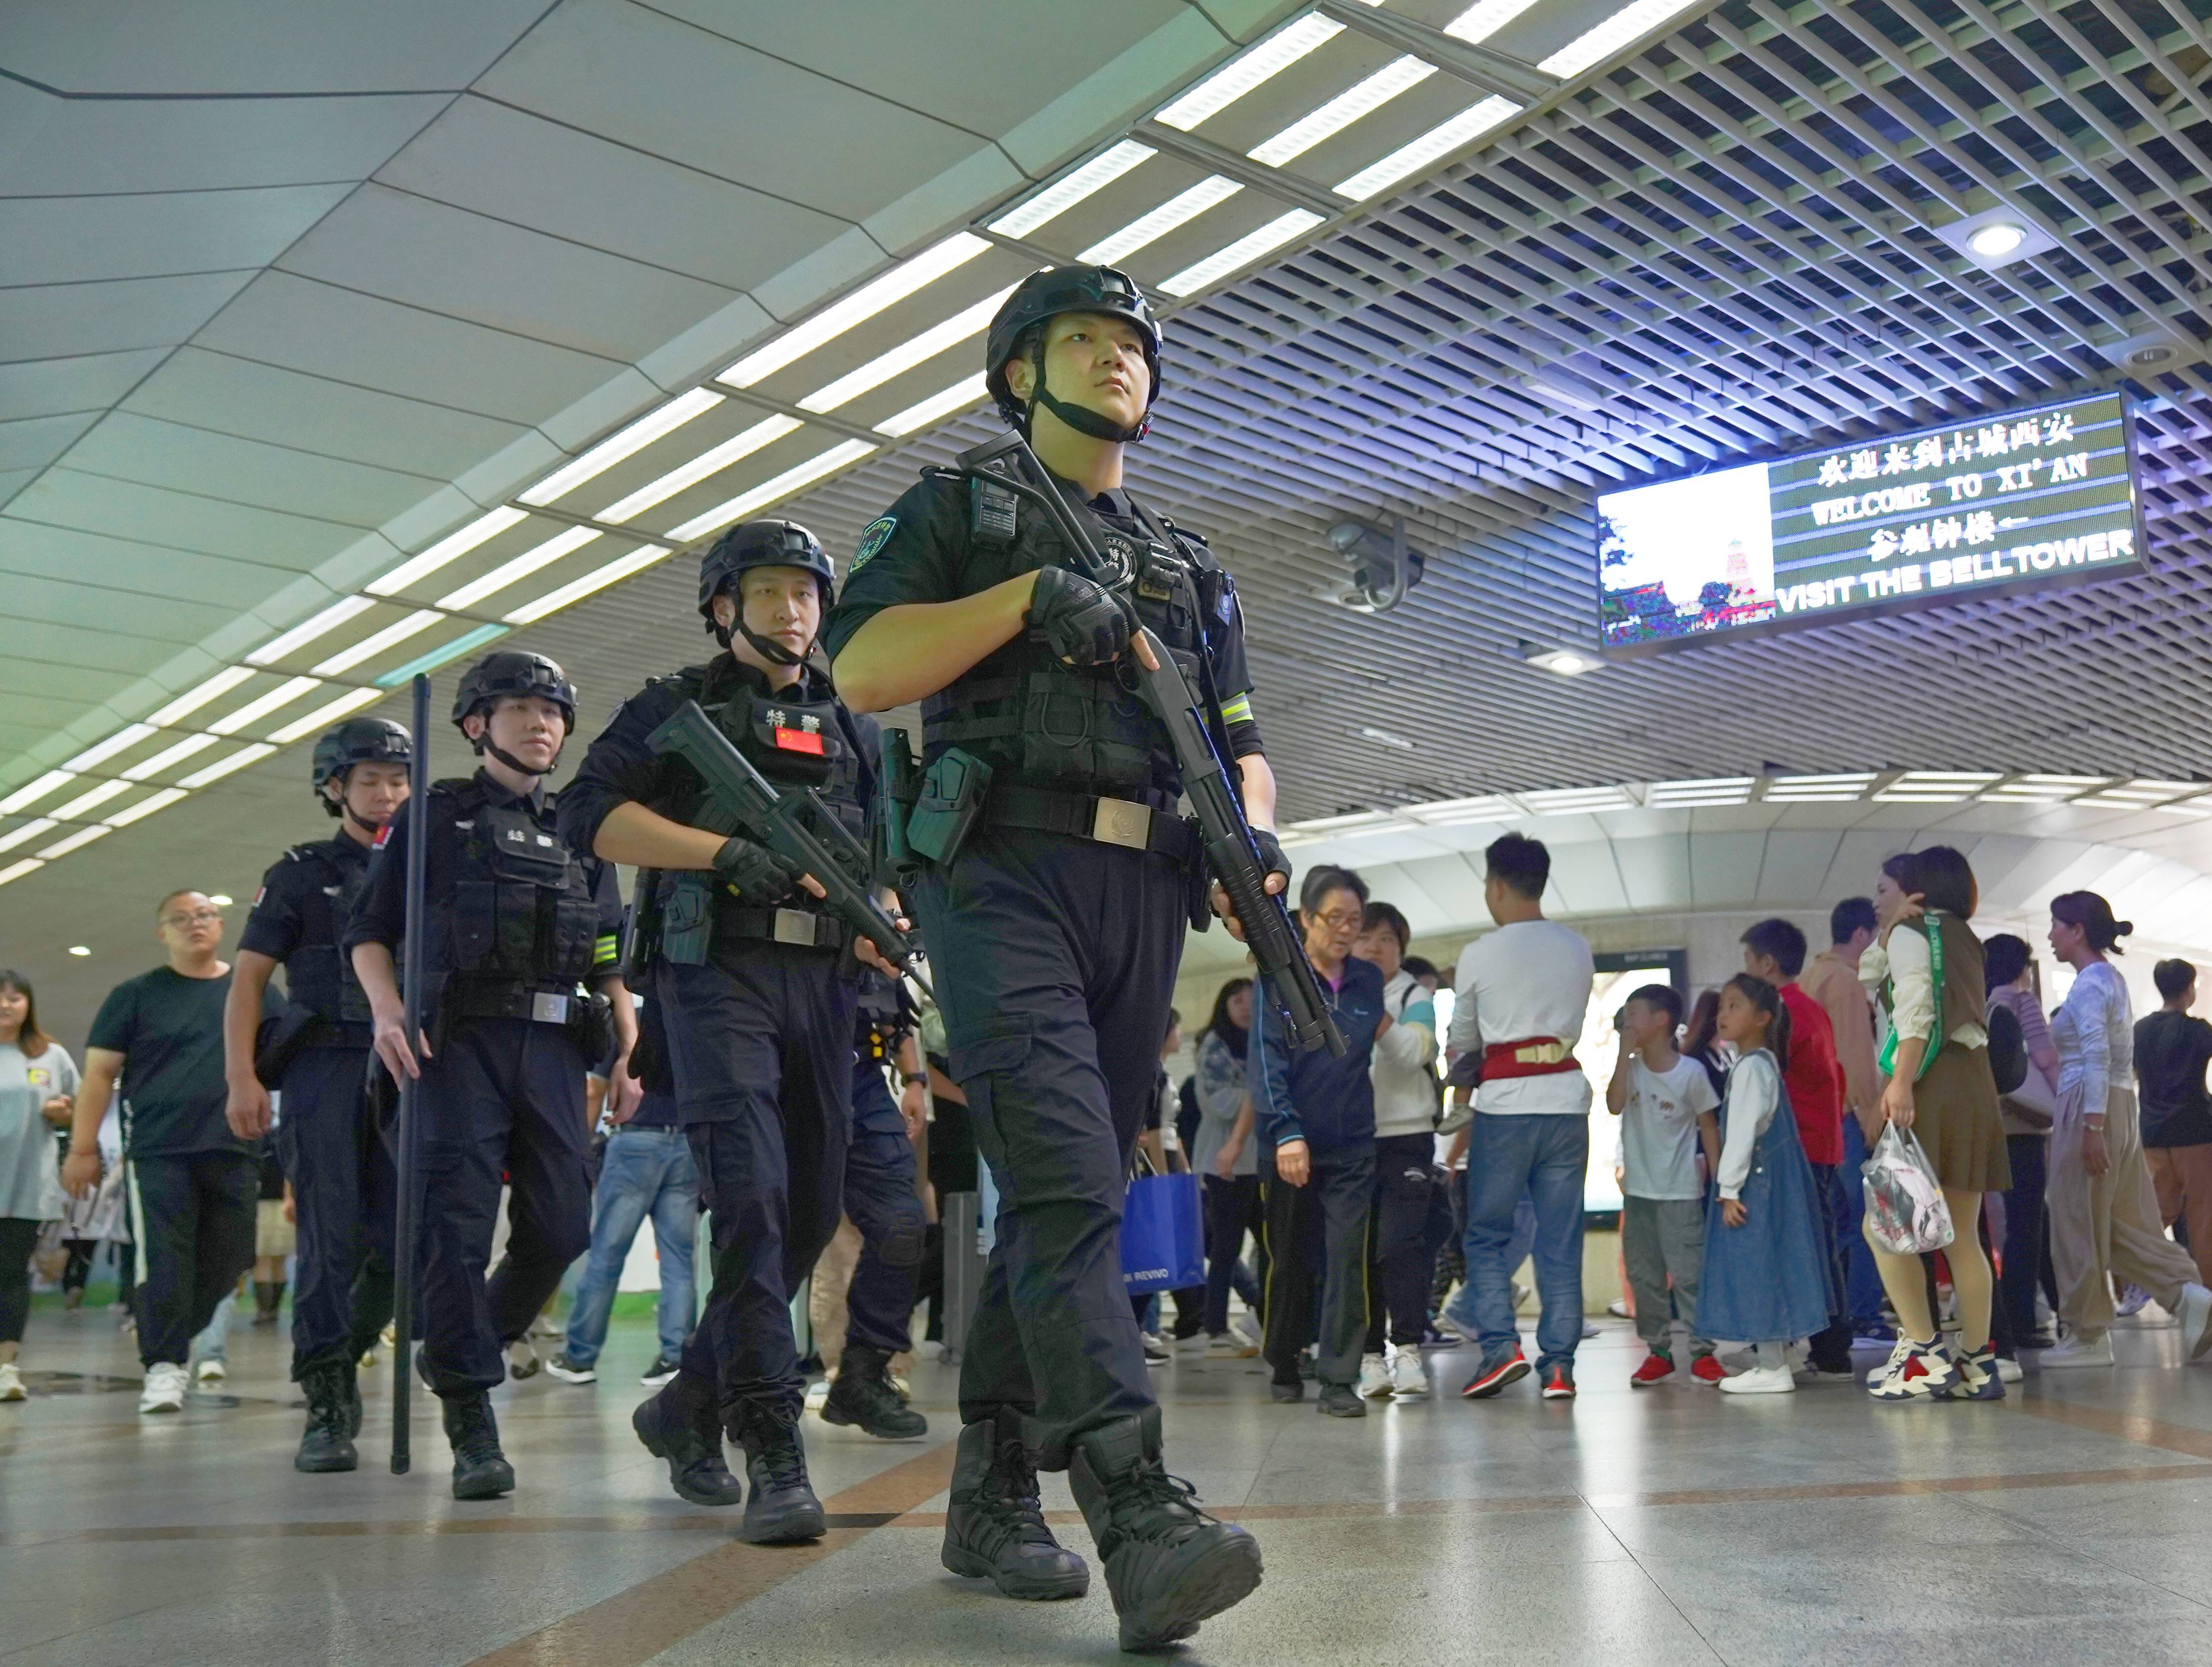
2007, 1047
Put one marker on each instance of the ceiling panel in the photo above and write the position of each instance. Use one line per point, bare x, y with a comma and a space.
130, 447
58, 321
30, 443
61, 240
42, 387
100, 562
187, 521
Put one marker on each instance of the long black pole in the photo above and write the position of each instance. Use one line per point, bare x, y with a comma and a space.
410, 1099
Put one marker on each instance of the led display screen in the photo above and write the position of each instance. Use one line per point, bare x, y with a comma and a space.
2043, 496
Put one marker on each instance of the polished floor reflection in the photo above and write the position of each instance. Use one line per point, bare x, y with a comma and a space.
2070, 1525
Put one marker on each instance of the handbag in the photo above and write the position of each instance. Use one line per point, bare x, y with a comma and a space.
1163, 1232
1937, 1030
1905, 1209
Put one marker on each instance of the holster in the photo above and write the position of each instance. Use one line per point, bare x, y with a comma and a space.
591, 1023
687, 917
278, 1041
953, 791
381, 1095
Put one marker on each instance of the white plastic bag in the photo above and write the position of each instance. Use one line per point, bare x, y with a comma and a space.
1904, 1208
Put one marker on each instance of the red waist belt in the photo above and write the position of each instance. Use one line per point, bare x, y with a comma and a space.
1537, 1056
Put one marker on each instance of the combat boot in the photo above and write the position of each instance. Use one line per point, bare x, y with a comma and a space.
327, 1444
782, 1509
1168, 1564
994, 1527
865, 1395
480, 1469
685, 1429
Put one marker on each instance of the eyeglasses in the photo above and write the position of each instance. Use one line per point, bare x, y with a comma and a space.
1342, 920
197, 918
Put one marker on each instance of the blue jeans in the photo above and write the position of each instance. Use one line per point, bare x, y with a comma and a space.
1544, 1156
1864, 1298
644, 1171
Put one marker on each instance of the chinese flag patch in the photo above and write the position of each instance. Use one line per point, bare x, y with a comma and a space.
798, 741
383, 834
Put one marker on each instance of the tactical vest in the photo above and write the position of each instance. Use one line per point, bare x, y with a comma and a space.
797, 742
1079, 729
318, 974
522, 911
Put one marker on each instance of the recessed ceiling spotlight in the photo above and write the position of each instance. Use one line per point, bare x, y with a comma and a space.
222, 900
80, 949
1567, 662
1997, 239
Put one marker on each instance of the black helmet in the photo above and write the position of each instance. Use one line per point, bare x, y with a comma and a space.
512, 671
1045, 295
357, 740
770, 543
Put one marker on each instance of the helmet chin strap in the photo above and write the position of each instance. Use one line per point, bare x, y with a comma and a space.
515, 764
767, 648
1085, 421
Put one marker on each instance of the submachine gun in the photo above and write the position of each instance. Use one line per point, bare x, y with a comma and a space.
795, 825
1230, 850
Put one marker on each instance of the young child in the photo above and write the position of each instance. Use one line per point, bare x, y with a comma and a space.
1662, 1100
1767, 1279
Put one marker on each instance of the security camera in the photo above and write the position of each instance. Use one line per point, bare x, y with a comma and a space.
1384, 566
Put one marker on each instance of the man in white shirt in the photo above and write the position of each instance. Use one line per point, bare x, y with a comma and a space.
1522, 993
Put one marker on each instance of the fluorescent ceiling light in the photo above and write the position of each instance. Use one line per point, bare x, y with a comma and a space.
1340, 112
518, 568
431, 659
1350, 822
32, 792
1571, 801
223, 766
1632, 22
862, 305
377, 641
1385, 738
450, 548
1715, 789
1818, 790
617, 446
1146, 228
577, 590
146, 807
1234, 79
1457, 813
122, 741
193, 699
87, 801
82, 837
706, 463
970, 321
1486, 18
1936, 786
262, 705
1070, 189
958, 397
28, 832
2042, 790
17, 871
324, 716
307, 630
737, 508
168, 756
1437, 142
1242, 252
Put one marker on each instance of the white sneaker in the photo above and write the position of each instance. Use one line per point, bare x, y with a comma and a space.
2133, 1298
522, 1360
1618, 1309
2008, 1370
1248, 1323
1518, 1292
1759, 1380
210, 1370
2194, 1311
1156, 1353
165, 1388
1409, 1376
1900, 1352
1374, 1376
1231, 1346
2073, 1351
11, 1383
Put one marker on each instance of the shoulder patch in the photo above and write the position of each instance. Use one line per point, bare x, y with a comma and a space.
872, 539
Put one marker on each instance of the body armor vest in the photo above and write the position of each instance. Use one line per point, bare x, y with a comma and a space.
522, 910
318, 974
795, 740
1077, 729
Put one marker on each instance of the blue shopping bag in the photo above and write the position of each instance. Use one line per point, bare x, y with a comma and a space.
1162, 1235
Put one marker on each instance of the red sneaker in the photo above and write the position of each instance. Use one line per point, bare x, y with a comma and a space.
1494, 1376
1707, 1370
1559, 1383
1655, 1368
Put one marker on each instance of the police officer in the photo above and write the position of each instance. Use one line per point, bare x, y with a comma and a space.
883, 1197
751, 979
338, 1165
516, 925
1057, 925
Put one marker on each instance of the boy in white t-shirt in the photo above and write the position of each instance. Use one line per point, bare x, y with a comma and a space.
1665, 1104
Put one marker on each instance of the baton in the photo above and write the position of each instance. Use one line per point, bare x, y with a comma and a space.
411, 1087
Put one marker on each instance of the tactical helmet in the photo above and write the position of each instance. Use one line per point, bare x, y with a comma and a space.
514, 671
357, 740
770, 543
1043, 296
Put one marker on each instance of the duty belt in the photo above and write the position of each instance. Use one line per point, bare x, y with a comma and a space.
509, 1001
1110, 822
802, 927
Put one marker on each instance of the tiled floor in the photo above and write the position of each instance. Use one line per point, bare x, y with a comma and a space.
2071, 1524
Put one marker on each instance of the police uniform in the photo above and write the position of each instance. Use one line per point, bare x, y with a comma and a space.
515, 925
881, 1191
341, 1171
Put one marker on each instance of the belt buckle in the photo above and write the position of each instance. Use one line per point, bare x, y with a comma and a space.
795, 926
1120, 822
549, 1010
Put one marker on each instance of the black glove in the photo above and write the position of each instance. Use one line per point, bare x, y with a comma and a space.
753, 870
1271, 855
1083, 623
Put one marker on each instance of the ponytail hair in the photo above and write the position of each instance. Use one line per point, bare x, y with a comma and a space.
1768, 1000
2093, 915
